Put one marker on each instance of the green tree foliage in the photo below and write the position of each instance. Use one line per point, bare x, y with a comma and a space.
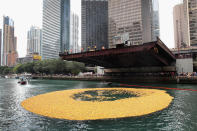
4, 70
54, 66
15, 69
75, 67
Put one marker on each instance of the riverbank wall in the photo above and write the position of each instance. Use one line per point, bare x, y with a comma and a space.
148, 79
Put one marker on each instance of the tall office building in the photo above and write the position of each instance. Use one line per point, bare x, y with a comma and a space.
155, 20
0, 44
9, 43
74, 33
190, 14
94, 24
65, 26
34, 37
56, 35
51, 37
131, 20
14, 54
179, 27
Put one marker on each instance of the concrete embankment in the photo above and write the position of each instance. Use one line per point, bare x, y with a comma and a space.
145, 79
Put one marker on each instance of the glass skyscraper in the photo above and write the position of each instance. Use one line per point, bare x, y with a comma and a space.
56, 28
94, 24
65, 26
155, 20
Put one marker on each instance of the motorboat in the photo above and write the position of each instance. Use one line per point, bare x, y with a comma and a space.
23, 81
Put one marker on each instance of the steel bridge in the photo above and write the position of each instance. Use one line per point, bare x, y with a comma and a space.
152, 54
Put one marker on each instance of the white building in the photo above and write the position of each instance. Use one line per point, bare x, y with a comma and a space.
34, 39
179, 27
51, 26
74, 33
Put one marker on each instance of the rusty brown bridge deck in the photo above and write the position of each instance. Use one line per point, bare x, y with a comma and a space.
153, 54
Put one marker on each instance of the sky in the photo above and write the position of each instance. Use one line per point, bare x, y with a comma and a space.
166, 21
27, 13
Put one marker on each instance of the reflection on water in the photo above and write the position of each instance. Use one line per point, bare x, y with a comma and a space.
181, 114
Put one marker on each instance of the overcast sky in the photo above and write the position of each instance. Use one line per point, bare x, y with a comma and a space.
26, 13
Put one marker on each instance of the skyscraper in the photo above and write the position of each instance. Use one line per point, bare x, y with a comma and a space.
74, 33
131, 20
190, 14
14, 54
0, 44
51, 37
9, 43
94, 24
56, 28
179, 27
34, 37
156, 26
65, 26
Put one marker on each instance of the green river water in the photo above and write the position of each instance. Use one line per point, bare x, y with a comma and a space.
181, 115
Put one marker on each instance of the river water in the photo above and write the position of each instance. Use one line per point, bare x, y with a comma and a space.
181, 115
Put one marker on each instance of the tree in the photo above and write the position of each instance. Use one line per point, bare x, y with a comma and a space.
53, 66
18, 69
38, 67
4, 70
75, 67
